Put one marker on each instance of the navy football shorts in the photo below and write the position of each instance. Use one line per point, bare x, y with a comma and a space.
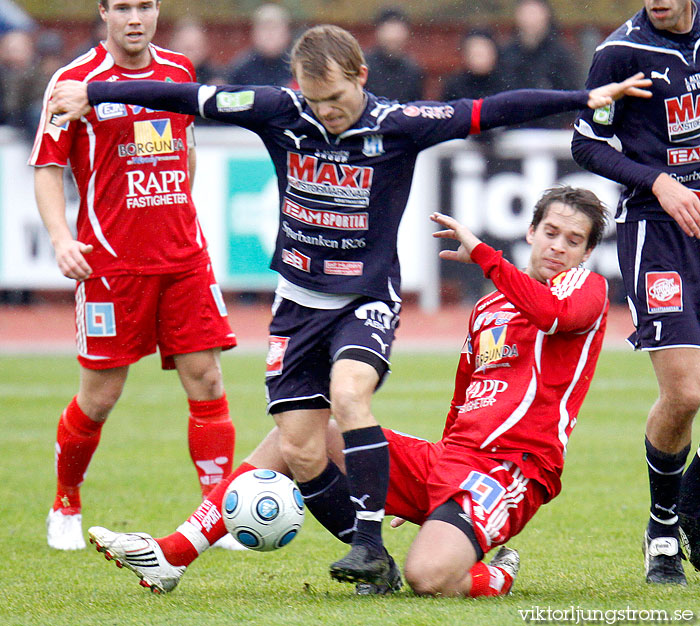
305, 342
660, 268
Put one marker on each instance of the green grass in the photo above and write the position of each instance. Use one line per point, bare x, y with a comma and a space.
581, 550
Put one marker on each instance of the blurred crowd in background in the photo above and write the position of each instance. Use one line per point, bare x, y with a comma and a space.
531, 51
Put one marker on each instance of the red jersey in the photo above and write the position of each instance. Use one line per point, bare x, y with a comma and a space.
526, 366
130, 165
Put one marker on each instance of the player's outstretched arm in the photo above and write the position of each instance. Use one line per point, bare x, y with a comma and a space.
69, 101
524, 105
454, 230
606, 94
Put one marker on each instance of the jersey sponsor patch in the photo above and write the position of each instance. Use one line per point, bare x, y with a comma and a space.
275, 355
136, 108
428, 111
155, 137
296, 259
100, 320
498, 318
110, 111
343, 268
326, 219
490, 301
330, 183
664, 292
493, 346
337, 156
604, 115
692, 83
683, 117
231, 102
482, 393
157, 189
485, 490
682, 156
52, 129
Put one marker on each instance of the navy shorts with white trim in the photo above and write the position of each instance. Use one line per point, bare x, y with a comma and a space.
305, 342
660, 268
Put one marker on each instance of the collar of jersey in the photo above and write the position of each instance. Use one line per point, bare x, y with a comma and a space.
369, 122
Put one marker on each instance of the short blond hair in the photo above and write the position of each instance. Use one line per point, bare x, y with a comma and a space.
320, 45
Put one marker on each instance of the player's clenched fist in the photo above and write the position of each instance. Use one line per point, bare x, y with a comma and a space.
69, 101
70, 259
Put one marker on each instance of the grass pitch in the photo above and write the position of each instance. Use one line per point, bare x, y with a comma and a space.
580, 555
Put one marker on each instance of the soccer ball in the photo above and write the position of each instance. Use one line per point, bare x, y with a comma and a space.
263, 509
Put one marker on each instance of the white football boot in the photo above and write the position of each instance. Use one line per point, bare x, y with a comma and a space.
64, 532
141, 554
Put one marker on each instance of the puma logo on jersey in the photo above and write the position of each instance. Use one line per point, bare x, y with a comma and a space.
297, 140
660, 76
630, 28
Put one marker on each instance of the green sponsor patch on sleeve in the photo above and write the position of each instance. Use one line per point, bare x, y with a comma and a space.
232, 101
604, 115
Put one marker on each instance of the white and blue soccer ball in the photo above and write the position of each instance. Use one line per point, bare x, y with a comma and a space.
263, 510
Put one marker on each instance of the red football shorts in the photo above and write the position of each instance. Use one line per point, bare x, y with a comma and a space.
495, 495
120, 319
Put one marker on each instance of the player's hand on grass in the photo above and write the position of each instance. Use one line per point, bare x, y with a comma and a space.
680, 202
397, 521
632, 86
454, 230
68, 101
71, 260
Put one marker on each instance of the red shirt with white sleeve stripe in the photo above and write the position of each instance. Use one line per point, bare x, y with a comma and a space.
526, 366
131, 168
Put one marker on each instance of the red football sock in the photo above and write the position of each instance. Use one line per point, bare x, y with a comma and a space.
489, 581
76, 442
212, 438
204, 527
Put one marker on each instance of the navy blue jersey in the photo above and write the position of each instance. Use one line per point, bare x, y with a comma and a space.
636, 139
341, 197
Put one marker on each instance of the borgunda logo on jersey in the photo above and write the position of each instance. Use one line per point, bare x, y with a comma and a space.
155, 137
683, 117
151, 138
493, 347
